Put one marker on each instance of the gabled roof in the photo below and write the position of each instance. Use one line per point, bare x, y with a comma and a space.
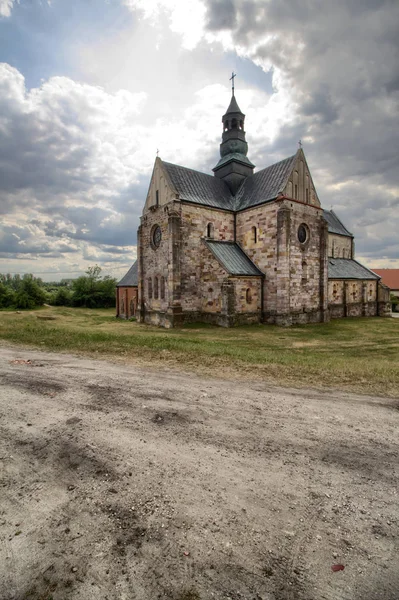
232, 258
208, 190
131, 277
194, 186
264, 185
390, 277
346, 268
335, 225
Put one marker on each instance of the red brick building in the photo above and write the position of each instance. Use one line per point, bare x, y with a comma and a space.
126, 294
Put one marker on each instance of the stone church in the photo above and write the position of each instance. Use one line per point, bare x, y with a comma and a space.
240, 247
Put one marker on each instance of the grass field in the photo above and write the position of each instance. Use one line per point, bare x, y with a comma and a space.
356, 354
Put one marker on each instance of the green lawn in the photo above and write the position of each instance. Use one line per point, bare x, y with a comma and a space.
358, 354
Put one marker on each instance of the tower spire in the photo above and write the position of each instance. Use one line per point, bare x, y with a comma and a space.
233, 166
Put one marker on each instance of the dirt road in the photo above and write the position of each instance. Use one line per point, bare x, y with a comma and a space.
120, 482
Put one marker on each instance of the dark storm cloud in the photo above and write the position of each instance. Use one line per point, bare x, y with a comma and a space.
338, 63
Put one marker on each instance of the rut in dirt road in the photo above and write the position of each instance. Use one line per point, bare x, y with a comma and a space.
118, 482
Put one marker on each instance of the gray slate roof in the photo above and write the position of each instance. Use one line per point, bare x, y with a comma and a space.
232, 258
194, 186
233, 107
265, 184
131, 278
346, 268
208, 190
334, 224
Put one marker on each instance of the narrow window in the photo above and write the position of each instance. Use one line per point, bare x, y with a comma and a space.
157, 198
209, 230
304, 271
296, 192
248, 296
162, 288
254, 234
335, 291
226, 125
234, 124
307, 196
354, 291
150, 288
156, 288
241, 125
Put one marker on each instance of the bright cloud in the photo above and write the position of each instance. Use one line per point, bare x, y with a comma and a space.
6, 8
76, 153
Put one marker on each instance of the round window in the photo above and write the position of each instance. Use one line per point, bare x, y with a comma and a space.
302, 233
156, 236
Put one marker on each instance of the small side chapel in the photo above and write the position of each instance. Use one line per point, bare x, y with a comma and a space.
240, 246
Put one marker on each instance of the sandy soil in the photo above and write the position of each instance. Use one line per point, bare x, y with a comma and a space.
119, 482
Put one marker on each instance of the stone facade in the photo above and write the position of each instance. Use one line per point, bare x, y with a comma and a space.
340, 246
271, 245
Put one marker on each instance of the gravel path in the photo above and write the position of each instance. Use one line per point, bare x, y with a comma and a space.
118, 482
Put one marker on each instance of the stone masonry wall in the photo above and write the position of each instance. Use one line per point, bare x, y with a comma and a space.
195, 256
352, 298
263, 250
155, 262
339, 246
296, 274
159, 182
300, 185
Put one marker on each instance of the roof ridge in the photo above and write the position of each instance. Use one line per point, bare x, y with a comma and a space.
275, 164
188, 169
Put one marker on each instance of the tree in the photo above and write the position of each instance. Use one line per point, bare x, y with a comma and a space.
7, 296
92, 291
62, 297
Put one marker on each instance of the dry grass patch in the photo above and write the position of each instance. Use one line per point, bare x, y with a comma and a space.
355, 354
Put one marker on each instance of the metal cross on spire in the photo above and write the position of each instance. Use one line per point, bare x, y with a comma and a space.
300, 144
232, 81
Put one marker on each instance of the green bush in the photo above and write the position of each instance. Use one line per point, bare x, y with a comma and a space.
62, 297
92, 291
7, 296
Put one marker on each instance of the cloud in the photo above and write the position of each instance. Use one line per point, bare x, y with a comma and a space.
76, 153
6, 8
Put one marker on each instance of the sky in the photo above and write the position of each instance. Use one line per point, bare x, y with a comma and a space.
90, 90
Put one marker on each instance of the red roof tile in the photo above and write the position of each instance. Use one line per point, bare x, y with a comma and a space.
389, 277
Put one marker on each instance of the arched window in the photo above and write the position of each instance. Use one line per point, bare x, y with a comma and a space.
209, 230
226, 125
254, 234
162, 288
354, 291
150, 288
241, 124
307, 196
234, 124
335, 291
296, 192
156, 290
371, 290
248, 296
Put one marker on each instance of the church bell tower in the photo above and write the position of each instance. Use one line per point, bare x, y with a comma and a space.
233, 166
